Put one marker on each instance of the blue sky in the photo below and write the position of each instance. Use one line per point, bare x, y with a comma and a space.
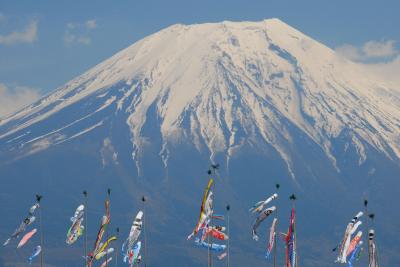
45, 43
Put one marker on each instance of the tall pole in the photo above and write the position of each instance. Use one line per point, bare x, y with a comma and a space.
212, 171
144, 230
228, 232
208, 236
108, 198
116, 251
214, 168
85, 194
366, 223
375, 255
371, 216
277, 186
38, 199
371, 240
293, 199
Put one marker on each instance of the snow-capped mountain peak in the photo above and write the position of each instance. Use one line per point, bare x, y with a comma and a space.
220, 86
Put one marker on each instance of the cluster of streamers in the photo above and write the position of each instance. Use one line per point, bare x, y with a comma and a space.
262, 213
29, 220
100, 249
36, 251
291, 242
131, 246
355, 255
272, 235
354, 242
76, 229
204, 228
373, 254
350, 241
24, 224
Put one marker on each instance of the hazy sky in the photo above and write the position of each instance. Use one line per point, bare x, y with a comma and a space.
45, 43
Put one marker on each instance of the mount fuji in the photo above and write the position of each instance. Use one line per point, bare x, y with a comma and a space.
265, 101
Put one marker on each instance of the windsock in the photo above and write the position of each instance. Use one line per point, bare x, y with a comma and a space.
373, 254
26, 238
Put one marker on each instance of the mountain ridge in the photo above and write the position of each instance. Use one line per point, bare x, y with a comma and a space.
232, 75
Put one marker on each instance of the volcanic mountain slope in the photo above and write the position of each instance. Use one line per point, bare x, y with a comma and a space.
221, 85
261, 98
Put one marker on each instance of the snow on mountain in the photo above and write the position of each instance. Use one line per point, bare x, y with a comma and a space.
220, 86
